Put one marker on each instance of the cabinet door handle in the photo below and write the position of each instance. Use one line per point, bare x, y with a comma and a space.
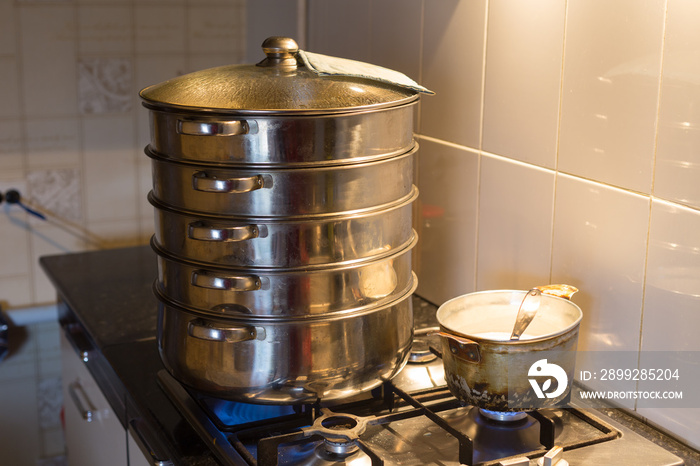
87, 409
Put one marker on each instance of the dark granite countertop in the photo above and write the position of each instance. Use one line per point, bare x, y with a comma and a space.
110, 290
109, 295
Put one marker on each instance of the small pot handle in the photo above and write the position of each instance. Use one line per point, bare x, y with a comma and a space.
204, 231
462, 348
204, 330
560, 291
203, 181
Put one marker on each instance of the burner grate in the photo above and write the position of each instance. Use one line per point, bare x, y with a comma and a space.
261, 441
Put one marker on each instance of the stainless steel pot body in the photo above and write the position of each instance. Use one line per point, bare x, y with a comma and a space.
277, 292
288, 192
485, 369
273, 242
285, 361
283, 141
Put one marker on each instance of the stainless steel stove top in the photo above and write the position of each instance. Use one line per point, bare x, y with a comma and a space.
412, 420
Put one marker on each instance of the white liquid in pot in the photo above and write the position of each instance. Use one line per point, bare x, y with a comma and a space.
500, 336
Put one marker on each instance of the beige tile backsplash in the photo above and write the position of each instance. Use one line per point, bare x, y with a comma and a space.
582, 111
72, 133
72, 129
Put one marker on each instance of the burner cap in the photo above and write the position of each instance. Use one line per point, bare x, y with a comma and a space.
420, 352
503, 416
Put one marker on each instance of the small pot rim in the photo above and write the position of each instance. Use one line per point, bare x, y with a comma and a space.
571, 327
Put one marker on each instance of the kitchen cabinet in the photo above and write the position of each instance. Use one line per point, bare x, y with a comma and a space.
93, 432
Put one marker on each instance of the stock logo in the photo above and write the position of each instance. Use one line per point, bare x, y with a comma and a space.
552, 371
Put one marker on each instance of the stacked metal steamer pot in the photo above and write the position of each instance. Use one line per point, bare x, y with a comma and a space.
283, 207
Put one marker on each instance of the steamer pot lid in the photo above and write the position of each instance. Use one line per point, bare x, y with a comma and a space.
285, 82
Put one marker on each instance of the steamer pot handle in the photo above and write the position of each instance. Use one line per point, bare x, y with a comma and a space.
203, 330
202, 181
462, 348
205, 279
203, 231
212, 128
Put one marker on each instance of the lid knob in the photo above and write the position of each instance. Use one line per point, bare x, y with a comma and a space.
280, 51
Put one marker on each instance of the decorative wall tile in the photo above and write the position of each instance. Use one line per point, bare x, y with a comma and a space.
516, 204
521, 116
453, 54
57, 191
104, 85
610, 90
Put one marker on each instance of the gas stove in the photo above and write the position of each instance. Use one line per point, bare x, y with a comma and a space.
410, 420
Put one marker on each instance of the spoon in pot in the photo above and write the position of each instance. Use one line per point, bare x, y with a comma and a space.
526, 312
531, 303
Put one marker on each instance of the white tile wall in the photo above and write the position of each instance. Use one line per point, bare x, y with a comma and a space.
516, 204
604, 98
612, 63
521, 116
585, 112
677, 155
452, 66
47, 47
446, 220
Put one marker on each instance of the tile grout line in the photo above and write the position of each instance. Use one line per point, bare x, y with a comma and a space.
653, 180
556, 153
487, 6
559, 173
